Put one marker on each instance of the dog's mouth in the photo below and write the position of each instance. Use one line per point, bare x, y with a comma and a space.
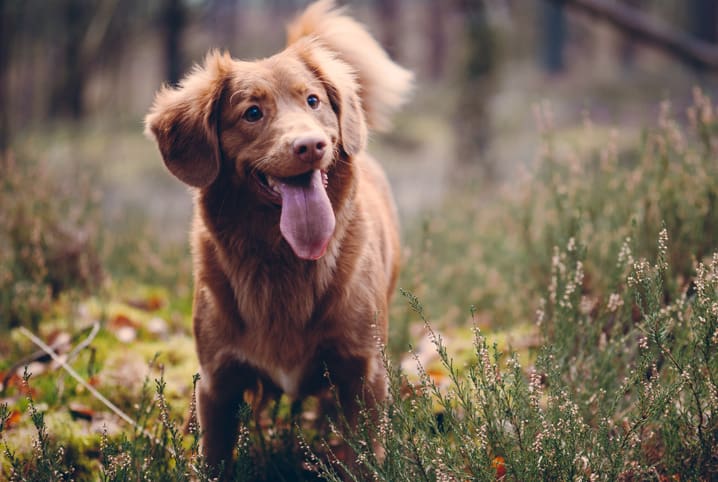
307, 219
269, 185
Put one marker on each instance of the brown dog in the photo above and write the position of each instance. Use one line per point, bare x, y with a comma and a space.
295, 239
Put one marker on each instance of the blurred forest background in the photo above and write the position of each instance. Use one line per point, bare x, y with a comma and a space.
76, 77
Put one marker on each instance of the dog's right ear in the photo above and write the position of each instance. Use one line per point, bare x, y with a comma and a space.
184, 122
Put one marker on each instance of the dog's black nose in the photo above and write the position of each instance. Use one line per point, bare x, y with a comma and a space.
309, 149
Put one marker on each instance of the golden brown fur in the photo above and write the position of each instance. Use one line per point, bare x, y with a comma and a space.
266, 320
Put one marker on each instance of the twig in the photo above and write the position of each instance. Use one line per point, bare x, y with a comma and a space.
85, 343
73, 354
43, 356
37, 356
89, 387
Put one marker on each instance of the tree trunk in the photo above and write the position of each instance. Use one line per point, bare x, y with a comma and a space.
628, 43
702, 17
553, 32
5, 48
173, 20
389, 12
436, 33
71, 69
225, 14
472, 122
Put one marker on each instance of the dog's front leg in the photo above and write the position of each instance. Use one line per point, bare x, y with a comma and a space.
361, 385
368, 395
219, 401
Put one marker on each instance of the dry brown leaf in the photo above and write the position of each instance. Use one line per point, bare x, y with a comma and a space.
119, 321
81, 412
13, 420
150, 303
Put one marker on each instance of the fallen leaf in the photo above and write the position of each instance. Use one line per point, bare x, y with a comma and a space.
120, 321
13, 420
59, 341
81, 412
150, 303
6, 383
16, 381
666, 478
124, 328
438, 377
499, 465
36, 368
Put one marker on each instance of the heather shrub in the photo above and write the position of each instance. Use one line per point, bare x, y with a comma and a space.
476, 250
622, 384
48, 239
624, 391
612, 193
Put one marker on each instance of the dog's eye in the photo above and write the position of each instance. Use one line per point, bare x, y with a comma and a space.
313, 101
253, 114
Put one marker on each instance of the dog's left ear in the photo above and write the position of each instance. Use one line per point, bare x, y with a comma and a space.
343, 92
184, 122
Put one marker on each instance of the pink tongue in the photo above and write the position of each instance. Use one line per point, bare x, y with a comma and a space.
307, 221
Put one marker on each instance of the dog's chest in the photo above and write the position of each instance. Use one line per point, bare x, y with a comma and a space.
288, 380
272, 299
287, 374
282, 351
277, 308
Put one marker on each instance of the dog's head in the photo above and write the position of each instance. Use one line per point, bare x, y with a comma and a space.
278, 127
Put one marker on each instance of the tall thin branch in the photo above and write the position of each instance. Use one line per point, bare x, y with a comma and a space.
649, 30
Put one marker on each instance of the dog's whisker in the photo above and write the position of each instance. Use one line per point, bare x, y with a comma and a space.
260, 164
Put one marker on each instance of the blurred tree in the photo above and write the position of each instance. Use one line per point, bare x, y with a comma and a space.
5, 39
703, 15
553, 31
70, 69
224, 15
282, 8
389, 12
472, 117
90, 32
703, 22
174, 18
436, 34
628, 43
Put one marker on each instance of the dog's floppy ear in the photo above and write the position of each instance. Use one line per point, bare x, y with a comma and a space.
343, 92
183, 121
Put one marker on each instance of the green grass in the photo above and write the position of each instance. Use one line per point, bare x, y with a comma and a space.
564, 329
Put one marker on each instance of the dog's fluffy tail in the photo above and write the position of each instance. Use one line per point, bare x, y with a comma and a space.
384, 85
